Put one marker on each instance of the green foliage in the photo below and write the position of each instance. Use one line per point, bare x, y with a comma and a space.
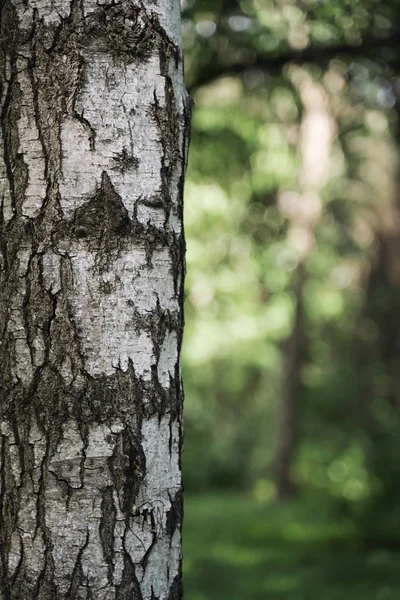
236, 548
245, 64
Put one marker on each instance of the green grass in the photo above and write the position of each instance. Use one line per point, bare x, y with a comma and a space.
236, 549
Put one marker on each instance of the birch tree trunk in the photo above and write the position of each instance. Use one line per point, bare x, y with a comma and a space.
94, 119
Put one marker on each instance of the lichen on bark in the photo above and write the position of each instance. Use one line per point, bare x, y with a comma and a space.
93, 140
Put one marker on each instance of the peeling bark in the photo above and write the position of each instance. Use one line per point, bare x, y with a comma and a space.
93, 144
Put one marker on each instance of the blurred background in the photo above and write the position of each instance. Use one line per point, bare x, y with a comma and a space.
292, 345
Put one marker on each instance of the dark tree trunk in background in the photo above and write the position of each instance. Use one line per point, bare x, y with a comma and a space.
291, 392
378, 332
93, 141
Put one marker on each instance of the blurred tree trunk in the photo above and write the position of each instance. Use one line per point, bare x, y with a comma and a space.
303, 210
93, 141
295, 347
378, 330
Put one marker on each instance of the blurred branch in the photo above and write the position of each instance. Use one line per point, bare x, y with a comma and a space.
387, 49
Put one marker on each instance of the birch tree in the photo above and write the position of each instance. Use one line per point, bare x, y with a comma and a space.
94, 119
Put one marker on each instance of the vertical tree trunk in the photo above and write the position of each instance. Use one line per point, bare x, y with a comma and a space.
377, 342
94, 125
303, 211
291, 391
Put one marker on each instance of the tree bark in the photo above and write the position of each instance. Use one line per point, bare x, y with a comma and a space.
94, 123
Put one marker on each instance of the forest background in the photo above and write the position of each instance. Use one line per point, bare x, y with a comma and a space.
292, 346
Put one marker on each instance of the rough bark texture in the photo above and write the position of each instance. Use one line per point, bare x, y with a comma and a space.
94, 120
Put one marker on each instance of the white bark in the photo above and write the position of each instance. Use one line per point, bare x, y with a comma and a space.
92, 152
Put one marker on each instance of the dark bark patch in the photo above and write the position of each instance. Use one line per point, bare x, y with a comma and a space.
134, 471
124, 161
107, 528
16, 169
77, 576
124, 30
103, 215
8, 30
129, 589
47, 384
176, 591
175, 514
128, 469
8, 505
152, 201
120, 394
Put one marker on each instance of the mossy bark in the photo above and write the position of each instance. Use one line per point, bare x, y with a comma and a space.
93, 140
